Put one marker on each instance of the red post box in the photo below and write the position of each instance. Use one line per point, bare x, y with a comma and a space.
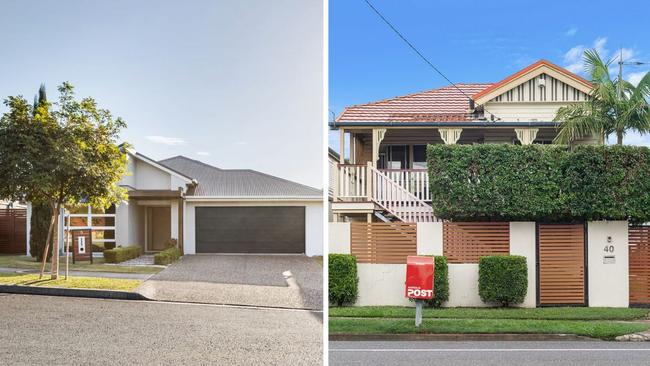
419, 277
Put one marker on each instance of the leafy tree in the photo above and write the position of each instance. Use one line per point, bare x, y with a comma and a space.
615, 107
60, 154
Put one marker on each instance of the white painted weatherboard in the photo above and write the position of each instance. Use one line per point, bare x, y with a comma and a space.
608, 282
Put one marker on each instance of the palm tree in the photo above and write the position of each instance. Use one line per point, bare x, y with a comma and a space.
615, 106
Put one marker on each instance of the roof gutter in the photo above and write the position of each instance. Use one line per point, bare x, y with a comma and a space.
254, 198
445, 124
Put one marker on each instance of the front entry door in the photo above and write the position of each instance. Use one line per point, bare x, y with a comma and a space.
158, 228
561, 264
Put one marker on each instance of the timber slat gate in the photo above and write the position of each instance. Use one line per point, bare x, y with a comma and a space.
639, 273
13, 223
561, 264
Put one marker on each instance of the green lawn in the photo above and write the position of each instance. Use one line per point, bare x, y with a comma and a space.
595, 329
27, 262
560, 313
71, 282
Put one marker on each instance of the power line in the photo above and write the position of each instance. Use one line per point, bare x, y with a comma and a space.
420, 53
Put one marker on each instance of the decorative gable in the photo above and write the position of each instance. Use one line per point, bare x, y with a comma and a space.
539, 82
542, 88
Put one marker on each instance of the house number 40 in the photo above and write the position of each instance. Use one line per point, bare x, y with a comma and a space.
609, 249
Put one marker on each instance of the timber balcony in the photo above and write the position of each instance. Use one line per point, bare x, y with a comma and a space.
402, 194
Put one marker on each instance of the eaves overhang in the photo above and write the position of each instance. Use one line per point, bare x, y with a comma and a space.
337, 125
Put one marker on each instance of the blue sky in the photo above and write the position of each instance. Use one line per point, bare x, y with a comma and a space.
237, 84
471, 41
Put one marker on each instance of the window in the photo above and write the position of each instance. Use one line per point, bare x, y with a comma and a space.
419, 156
393, 157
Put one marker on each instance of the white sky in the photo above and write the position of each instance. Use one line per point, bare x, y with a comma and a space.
236, 84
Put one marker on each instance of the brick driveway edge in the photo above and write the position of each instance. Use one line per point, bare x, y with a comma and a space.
71, 292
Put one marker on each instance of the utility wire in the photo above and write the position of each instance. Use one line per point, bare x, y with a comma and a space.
380, 15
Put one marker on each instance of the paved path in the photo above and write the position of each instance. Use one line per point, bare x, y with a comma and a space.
131, 276
41, 330
577, 353
289, 281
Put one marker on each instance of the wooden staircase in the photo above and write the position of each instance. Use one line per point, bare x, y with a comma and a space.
395, 199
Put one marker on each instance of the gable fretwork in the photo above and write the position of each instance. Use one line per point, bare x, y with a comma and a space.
542, 88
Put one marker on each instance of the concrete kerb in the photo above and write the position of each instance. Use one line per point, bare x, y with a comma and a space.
71, 292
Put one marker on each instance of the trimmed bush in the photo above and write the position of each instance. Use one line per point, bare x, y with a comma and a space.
343, 280
440, 282
167, 256
501, 182
503, 279
121, 254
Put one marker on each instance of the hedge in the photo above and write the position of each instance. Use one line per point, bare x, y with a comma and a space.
343, 280
121, 254
167, 256
501, 182
503, 279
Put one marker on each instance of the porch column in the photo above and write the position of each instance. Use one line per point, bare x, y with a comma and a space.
450, 135
526, 135
377, 137
341, 146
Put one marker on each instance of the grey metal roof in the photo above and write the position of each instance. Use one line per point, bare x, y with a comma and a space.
215, 182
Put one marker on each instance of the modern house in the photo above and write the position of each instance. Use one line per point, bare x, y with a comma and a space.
206, 210
385, 178
382, 210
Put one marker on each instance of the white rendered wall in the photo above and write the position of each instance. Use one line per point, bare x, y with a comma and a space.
522, 242
122, 221
314, 229
463, 285
339, 237
429, 238
174, 220
381, 284
608, 282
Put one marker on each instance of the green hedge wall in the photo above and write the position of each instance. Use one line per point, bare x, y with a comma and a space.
503, 279
121, 254
501, 182
343, 280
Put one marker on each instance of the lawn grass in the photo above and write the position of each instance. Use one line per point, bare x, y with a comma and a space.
595, 329
98, 265
72, 282
559, 313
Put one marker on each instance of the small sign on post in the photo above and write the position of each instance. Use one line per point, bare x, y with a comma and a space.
419, 282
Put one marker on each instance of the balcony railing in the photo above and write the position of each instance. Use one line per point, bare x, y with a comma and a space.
416, 181
352, 182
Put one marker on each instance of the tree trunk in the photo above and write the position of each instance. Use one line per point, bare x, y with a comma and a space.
47, 245
55, 246
619, 137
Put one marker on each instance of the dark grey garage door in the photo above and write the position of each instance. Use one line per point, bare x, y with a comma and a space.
250, 229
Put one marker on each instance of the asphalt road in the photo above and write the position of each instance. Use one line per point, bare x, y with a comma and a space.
39, 330
592, 353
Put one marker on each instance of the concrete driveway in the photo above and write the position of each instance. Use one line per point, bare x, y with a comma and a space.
285, 281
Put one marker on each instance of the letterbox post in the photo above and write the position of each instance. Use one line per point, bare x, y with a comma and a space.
419, 282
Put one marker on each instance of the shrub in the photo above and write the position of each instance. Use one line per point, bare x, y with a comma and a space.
539, 182
121, 254
343, 280
503, 279
40, 223
167, 256
440, 282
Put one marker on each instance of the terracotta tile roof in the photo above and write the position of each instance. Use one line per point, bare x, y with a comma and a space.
446, 104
